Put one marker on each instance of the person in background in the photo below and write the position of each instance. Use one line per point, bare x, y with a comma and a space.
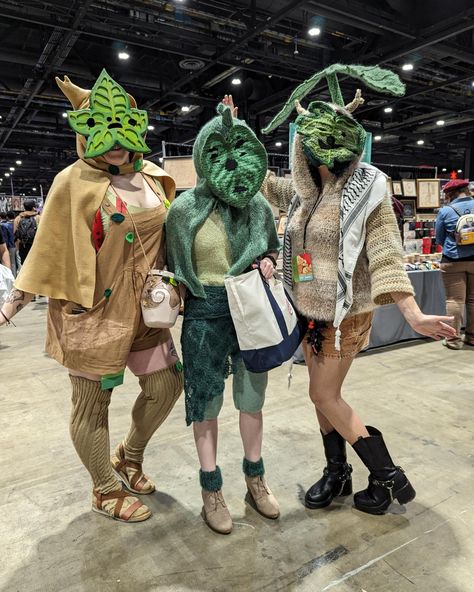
457, 263
25, 227
4, 256
7, 229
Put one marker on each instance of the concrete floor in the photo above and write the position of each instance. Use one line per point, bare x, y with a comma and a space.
52, 542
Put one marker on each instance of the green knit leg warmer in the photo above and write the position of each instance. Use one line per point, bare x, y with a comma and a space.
253, 469
211, 480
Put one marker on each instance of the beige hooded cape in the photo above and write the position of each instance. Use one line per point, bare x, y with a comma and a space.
62, 260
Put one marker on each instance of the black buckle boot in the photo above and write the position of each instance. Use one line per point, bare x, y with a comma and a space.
336, 480
387, 482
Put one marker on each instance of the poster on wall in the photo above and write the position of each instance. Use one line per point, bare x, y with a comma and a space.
409, 187
409, 208
428, 193
397, 188
181, 168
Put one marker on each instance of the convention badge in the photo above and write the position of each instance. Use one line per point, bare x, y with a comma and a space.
302, 268
110, 120
110, 381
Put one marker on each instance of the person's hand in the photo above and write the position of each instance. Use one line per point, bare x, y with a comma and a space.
433, 326
266, 268
228, 101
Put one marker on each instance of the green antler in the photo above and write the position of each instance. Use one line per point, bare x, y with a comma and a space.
374, 77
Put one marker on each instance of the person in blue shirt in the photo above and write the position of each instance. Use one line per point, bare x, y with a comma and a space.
457, 263
6, 226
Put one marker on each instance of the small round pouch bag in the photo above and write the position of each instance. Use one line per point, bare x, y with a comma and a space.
160, 299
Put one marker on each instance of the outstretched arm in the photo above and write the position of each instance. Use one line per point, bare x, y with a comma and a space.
16, 301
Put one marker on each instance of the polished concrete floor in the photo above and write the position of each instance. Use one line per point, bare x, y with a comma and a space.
421, 396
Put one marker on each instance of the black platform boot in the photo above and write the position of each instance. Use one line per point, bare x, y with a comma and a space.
386, 481
336, 479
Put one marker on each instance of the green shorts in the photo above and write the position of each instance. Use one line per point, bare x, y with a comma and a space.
248, 390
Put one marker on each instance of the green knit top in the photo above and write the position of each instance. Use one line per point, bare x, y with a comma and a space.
212, 255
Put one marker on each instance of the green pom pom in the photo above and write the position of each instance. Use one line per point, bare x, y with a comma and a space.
130, 237
108, 292
113, 169
117, 217
166, 203
179, 366
138, 165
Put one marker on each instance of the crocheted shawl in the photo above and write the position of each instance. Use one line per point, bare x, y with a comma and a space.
251, 232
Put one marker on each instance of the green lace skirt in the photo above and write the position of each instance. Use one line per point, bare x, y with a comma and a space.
210, 349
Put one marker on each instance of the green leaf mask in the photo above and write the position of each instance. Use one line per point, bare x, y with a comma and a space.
329, 137
110, 120
231, 160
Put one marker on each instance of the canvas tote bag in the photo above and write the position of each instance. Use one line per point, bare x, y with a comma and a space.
268, 328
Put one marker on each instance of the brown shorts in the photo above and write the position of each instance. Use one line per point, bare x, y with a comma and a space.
355, 335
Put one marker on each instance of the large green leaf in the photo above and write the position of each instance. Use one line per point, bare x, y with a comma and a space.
130, 139
99, 142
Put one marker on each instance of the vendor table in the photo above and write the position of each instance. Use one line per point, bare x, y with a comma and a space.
389, 326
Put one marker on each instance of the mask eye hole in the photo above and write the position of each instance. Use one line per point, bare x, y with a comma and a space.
240, 143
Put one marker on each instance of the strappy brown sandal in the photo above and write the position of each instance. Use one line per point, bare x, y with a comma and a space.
136, 511
131, 473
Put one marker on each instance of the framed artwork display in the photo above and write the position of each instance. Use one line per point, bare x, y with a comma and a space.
409, 208
428, 194
409, 187
16, 203
181, 168
389, 186
397, 188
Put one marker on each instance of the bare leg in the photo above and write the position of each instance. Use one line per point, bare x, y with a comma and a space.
205, 436
251, 432
326, 378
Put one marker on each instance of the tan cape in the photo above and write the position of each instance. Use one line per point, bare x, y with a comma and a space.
62, 260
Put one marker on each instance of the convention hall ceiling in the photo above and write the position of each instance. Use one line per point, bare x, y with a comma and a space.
184, 55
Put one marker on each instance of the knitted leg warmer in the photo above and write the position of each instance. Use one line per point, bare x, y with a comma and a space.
89, 429
211, 480
160, 391
253, 469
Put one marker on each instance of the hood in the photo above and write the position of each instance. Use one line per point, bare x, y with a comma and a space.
229, 159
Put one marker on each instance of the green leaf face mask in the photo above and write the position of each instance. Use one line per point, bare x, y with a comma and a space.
110, 120
328, 137
231, 159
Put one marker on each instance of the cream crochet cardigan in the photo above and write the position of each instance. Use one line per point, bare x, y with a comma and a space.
379, 269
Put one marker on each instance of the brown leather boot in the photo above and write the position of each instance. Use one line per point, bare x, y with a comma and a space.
262, 496
215, 512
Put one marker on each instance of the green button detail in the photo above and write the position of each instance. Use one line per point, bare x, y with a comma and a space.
107, 292
113, 169
166, 203
179, 366
129, 237
117, 217
138, 165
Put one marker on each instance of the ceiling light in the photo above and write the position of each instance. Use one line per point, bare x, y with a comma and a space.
444, 170
440, 122
314, 31
7, 174
278, 144
151, 127
471, 83
388, 109
123, 55
12, 169
18, 162
377, 138
34, 188
236, 81
420, 142
185, 108
407, 67
64, 114
161, 159
459, 170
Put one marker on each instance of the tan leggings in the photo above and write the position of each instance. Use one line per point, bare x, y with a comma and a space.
458, 279
89, 426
